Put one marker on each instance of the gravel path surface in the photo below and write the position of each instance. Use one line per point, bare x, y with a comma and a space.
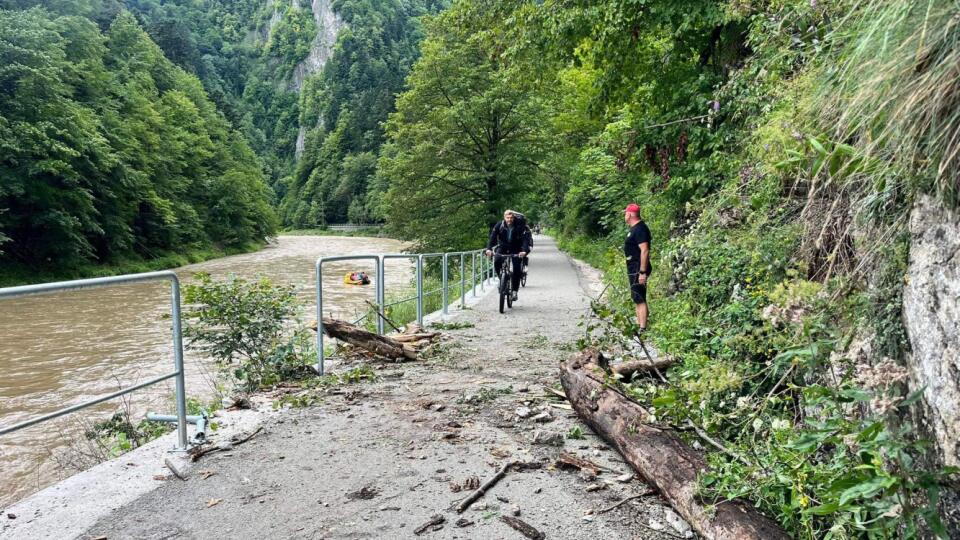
378, 460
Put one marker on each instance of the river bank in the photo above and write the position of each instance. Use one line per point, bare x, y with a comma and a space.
12, 275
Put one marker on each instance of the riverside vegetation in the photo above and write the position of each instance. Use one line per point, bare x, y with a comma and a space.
776, 149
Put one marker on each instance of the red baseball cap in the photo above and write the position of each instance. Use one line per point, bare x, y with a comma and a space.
632, 207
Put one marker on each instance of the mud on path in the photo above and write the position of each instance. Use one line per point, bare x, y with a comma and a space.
381, 459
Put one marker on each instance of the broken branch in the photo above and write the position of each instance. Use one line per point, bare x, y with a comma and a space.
483, 489
523, 527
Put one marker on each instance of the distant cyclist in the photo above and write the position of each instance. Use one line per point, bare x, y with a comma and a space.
522, 221
510, 238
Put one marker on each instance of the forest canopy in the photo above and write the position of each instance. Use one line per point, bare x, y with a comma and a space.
110, 150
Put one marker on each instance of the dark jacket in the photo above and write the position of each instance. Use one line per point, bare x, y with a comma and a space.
510, 243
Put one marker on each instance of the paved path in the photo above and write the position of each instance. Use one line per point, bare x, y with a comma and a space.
378, 459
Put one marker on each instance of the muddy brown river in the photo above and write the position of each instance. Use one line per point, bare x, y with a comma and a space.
60, 349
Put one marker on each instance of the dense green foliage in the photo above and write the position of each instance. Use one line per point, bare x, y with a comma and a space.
343, 108
150, 164
110, 150
775, 174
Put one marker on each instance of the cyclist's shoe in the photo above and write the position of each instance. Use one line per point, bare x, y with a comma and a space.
514, 296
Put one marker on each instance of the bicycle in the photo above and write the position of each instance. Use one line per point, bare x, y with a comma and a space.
506, 275
523, 270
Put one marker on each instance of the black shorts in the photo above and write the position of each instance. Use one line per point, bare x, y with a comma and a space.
638, 291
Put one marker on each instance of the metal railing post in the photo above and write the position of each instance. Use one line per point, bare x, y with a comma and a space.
420, 290
445, 291
320, 354
473, 274
463, 282
483, 266
180, 380
381, 293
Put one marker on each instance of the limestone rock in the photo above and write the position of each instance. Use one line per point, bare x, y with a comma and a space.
931, 314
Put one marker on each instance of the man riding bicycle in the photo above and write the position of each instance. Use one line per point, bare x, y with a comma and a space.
510, 238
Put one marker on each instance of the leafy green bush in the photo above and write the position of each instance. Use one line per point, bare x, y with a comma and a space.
251, 329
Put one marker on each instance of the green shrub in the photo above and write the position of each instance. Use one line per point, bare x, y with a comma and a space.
252, 329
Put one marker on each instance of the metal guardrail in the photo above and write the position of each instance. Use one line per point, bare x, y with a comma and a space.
380, 285
177, 374
352, 227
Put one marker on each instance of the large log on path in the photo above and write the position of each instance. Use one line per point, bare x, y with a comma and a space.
658, 455
377, 344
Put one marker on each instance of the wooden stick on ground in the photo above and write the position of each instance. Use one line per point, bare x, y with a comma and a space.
198, 452
434, 524
664, 461
483, 489
628, 499
523, 527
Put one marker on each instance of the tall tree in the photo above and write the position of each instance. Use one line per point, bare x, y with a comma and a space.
467, 137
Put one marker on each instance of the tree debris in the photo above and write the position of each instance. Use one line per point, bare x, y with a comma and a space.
471, 482
569, 461
628, 499
496, 478
198, 452
483, 489
523, 527
434, 524
658, 454
379, 345
398, 347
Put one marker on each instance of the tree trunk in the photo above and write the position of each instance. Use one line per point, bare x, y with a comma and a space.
379, 345
661, 458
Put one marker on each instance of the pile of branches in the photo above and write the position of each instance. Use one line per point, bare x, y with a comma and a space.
404, 345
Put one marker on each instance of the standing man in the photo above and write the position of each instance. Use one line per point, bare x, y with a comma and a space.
510, 238
637, 250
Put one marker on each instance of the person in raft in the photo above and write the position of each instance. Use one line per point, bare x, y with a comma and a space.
356, 278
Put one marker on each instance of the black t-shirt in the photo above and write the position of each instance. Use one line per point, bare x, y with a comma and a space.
638, 234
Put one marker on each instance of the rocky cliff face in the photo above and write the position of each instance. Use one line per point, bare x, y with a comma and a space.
931, 314
329, 25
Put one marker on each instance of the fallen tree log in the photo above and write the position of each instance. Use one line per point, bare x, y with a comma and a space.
658, 455
358, 337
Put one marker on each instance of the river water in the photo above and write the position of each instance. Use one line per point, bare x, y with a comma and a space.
61, 349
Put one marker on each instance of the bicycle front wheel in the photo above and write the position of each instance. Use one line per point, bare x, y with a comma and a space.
504, 291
